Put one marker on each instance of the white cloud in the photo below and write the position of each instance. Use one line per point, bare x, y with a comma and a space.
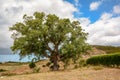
84, 22
106, 16
11, 11
116, 9
95, 5
105, 31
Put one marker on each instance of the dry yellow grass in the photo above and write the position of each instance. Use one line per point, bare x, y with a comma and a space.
76, 74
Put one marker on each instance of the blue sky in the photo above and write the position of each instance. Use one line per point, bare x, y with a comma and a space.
100, 18
84, 8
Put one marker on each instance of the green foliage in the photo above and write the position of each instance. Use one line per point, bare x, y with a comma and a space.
108, 49
32, 65
107, 60
41, 34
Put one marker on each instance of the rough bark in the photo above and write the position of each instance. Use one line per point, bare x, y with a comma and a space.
55, 63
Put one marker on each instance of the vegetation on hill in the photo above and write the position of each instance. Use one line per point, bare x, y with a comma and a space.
108, 49
107, 60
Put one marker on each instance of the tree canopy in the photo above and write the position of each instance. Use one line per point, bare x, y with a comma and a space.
58, 39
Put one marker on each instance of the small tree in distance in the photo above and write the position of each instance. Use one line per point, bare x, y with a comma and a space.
49, 36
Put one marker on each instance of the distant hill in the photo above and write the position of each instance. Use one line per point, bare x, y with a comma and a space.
108, 49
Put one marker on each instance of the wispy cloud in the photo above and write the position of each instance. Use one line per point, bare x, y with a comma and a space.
94, 5
116, 9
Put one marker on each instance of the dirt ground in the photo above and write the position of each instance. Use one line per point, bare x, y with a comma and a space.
92, 73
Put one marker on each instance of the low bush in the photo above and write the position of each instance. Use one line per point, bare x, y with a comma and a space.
2, 70
82, 63
36, 70
76, 66
43, 65
32, 65
48, 64
107, 60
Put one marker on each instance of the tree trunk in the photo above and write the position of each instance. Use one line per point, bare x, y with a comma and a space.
55, 63
55, 59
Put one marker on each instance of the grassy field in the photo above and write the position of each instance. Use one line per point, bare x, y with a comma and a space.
23, 72
86, 73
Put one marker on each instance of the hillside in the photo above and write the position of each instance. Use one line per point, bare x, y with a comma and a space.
108, 49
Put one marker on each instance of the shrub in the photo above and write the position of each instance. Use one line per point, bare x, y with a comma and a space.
2, 70
36, 70
76, 66
43, 65
82, 63
32, 65
107, 60
48, 64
